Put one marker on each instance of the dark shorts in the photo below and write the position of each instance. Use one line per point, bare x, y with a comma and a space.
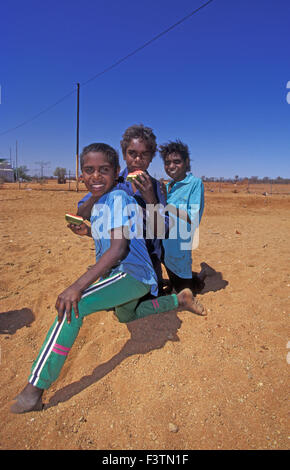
177, 283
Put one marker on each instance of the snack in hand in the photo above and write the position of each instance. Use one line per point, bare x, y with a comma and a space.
134, 175
74, 219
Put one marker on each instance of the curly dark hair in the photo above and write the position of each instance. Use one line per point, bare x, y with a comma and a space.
177, 147
139, 132
107, 150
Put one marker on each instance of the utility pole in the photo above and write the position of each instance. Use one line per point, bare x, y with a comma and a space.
78, 131
16, 164
42, 165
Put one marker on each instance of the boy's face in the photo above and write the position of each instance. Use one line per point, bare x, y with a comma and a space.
175, 166
98, 173
138, 156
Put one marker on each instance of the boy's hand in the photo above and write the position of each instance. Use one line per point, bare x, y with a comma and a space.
163, 188
67, 300
145, 186
82, 229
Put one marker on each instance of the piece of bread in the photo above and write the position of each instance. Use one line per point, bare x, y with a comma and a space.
132, 176
74, 219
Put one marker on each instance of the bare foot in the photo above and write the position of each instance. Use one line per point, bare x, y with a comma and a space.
28, 400
186, 301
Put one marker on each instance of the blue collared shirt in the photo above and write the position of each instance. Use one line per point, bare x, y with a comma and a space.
186, 195
117, 209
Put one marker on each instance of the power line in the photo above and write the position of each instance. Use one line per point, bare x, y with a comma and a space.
38, 114
115, 64
110, 67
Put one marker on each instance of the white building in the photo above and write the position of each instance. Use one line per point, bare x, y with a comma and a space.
6, 172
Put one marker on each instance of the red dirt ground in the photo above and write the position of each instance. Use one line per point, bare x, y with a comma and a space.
174, 381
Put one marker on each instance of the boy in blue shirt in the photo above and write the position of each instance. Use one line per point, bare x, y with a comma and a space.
122, 276
185, 202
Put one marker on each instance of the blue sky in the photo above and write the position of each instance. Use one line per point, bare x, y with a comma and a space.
218, 81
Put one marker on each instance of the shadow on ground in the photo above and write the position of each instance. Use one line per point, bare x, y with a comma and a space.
147, 334
214, 281
13, 320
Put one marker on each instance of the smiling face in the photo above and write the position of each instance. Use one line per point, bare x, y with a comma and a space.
98, 174
175, 166
137, 156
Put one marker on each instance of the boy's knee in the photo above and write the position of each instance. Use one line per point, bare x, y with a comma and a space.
125, 317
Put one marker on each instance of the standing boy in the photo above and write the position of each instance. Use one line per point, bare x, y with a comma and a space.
185, 202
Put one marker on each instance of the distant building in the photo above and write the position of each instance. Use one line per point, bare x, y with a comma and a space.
6, 172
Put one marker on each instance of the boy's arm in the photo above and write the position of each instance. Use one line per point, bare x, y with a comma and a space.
85, 207
72, 295
84, 210
196, 199
181, 213
146, 188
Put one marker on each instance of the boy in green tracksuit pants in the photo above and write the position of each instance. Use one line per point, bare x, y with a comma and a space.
123, 269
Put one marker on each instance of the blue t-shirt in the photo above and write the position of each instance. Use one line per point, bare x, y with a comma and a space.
154, 245
186, 195
114, 210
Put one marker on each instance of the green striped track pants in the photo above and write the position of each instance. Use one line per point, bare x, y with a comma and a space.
120, 292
